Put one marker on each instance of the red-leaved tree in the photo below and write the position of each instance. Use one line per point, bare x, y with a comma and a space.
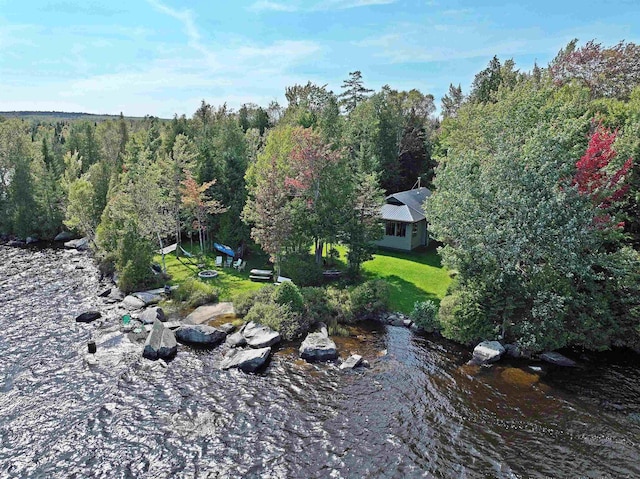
594, 176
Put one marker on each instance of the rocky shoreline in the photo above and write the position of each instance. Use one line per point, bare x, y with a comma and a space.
316, 346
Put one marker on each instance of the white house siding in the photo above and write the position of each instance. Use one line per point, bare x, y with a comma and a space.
420, 239
397, 242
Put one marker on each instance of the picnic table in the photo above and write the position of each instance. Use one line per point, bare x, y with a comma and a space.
260, 275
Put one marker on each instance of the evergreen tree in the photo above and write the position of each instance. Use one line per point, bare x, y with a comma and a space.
354, 91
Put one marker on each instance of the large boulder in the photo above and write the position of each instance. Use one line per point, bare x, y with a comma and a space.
487, 352
63, 236
79, 244
209, 312
149, 315
161, 342
351, 362
200, 334
132, 302
318, 346
236, 339
259, 336
558, 359
88, 316
248, 360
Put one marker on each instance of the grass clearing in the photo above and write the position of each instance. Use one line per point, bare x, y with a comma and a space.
415, 276
229, 281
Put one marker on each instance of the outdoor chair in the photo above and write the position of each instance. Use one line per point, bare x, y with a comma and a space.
242, 266
228, 262
219, 261
237, 263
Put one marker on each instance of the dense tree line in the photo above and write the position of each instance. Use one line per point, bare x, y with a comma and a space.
536, 202
309, 173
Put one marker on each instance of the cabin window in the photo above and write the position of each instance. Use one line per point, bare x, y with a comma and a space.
396, 228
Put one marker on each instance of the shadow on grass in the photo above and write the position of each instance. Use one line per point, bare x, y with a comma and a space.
426, 255
404, 294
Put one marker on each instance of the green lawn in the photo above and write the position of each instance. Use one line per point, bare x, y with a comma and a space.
415, 276
229, 281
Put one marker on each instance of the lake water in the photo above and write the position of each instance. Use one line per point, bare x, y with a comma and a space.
419, 411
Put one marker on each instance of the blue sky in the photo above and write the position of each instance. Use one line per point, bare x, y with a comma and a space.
161, 57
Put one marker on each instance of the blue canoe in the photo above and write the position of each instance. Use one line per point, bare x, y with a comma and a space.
224, 249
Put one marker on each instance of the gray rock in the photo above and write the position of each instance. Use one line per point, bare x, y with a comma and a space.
248, 360
558, 359
200, 334
79, 244
351, 362
31, 240
148, 297
116, 294
63, 236
236, 339
488, 352
512, 351
172, 324
259, 336
132, 302
88, 316
318, 346
227, 328
407, 323
161, 342
149, 315
104, 293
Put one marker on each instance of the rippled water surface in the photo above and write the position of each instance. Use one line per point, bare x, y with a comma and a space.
419, 411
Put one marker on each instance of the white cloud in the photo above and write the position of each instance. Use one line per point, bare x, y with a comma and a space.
266, 5
323, 5
344, 4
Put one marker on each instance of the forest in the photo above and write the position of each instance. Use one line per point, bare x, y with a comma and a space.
534, 177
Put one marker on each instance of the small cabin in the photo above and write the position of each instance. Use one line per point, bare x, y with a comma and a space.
405, 225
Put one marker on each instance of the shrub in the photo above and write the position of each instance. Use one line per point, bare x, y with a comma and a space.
303, 271
195, 293
280, 318
425, 315
317, 306
369, 299
288, 294
243, 301
339, 304
463, 318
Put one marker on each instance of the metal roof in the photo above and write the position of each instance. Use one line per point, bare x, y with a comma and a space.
405, 206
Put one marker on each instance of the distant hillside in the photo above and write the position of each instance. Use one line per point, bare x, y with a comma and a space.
61, 115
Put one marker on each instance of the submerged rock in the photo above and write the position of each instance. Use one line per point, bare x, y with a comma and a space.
558, 359
248, 360
318, 346
259, 336
161, 342
149, 315
200, 334
487, 352
88, 316
351, 362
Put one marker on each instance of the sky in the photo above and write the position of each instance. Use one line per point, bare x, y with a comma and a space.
163, 57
